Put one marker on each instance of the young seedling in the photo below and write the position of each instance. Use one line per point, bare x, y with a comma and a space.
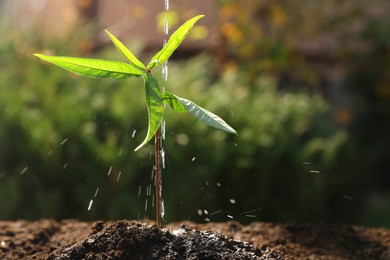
155, 98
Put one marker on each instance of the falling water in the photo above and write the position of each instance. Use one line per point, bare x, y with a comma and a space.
161, 150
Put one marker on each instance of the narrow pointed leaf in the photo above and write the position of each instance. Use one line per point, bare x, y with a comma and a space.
155, 107
173, 43
93, 68
126, 52
179, 104
171, 100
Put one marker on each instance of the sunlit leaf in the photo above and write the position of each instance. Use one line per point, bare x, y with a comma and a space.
94, 68
182, 105
174, 41
171, 100
126, 52
155, 107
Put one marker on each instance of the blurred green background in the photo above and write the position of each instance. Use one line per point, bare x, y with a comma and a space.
306, 88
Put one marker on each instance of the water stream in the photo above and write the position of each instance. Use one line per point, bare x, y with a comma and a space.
162, 151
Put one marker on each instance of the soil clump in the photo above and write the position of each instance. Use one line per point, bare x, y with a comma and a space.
72, 239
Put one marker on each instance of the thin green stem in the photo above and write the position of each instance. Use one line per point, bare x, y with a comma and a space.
157, 178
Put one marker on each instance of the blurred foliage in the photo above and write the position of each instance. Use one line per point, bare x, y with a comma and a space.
298, 155
340, 49
64, 136
305, 45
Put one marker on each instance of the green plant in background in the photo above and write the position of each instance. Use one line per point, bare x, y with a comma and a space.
155, 98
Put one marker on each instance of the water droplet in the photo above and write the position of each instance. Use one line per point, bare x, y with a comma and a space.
120, 152
90, 240
206, 219
119, 175
219, 184
24, 170
65, 165
215, 212
162, 157
205, 212
232, 201
50, 152
64, 141
139, 190
166, 25
347, 197
133, 133
229, 216
166, 4
162, 211
193, 159
200, 212
250, 216
109, 171
96, 192
313, 171
146, 204
251, 211
307, 163
90, 205
163, 121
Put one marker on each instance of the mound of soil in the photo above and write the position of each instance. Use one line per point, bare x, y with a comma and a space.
71, 239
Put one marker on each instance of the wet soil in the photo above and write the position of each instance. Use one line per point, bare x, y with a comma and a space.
71, 239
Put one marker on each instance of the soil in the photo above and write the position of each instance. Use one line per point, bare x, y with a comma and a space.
72, 239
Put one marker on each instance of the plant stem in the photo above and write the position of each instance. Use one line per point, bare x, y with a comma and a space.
157, 178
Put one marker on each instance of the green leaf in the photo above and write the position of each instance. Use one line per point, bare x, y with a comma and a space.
155, 107
126, 52
93, 68
171, 100
173, 43
184, 105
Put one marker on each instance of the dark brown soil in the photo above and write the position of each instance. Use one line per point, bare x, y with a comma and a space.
70, 239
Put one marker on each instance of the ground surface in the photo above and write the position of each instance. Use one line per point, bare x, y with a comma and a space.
48, 239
